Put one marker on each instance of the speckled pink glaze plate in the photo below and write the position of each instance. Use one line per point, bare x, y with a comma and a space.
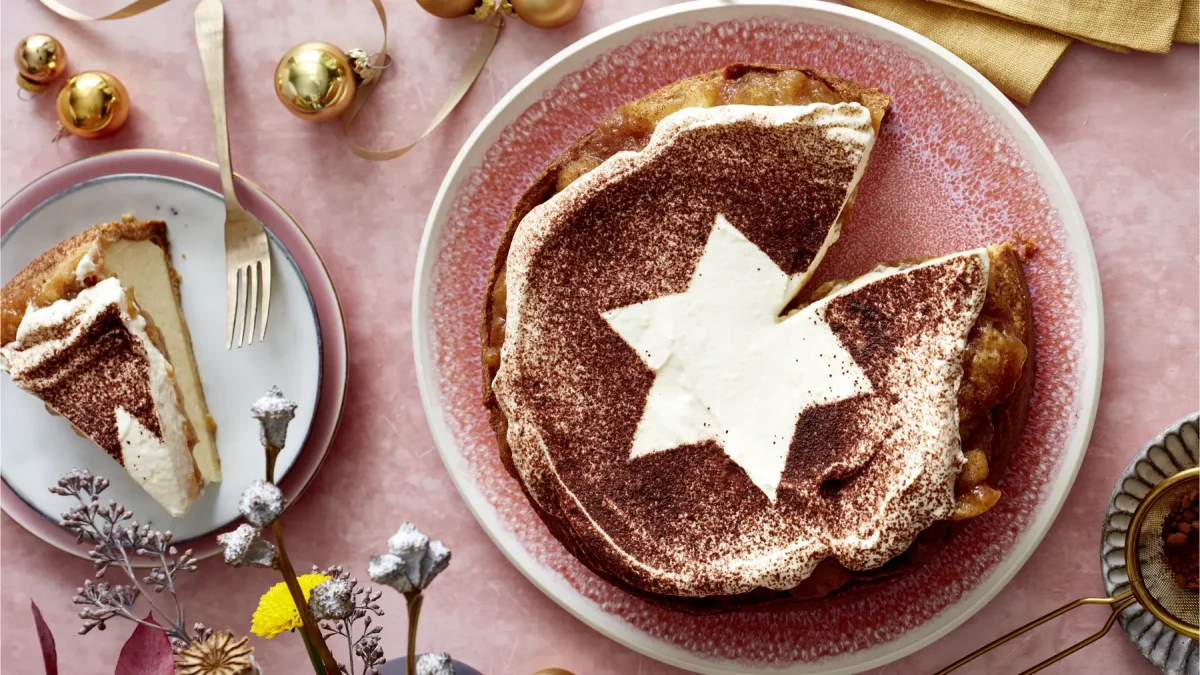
956, 166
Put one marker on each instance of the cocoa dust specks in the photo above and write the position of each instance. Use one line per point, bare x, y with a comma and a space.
1180, 537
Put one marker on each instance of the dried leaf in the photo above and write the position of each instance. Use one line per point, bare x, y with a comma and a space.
46, 640
146, 652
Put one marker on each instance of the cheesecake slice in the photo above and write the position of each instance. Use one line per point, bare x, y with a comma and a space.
94, 328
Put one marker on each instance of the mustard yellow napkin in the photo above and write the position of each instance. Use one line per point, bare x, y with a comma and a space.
1016, 57
1016, 43
1144, 25
1188, 28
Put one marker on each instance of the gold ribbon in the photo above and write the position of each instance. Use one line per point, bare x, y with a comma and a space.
132, 9
370, 80
468, 77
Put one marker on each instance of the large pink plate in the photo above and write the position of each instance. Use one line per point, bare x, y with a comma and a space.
957, 166
307, 342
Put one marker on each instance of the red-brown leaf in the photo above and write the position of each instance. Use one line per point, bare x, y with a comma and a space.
46, 640
146, 652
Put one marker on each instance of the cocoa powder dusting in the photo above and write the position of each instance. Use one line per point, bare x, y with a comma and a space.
87, 380
572, 383
1181, 540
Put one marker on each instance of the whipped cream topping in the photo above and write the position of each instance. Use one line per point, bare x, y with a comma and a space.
727, 369
629, 469
87, 264
913, 430
91, 359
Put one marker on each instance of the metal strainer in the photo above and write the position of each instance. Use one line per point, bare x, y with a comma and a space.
1151, 580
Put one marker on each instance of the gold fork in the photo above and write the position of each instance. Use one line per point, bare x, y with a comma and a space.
247, 252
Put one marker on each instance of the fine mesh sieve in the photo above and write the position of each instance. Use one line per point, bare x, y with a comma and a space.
1151, 580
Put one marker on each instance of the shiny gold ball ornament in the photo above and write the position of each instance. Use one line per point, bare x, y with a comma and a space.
40, 60
547, 13
315, 81
92, 104
448, 9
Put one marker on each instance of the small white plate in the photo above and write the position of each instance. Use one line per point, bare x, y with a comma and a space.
36, 448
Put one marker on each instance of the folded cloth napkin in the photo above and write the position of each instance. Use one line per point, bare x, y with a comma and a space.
1188, 28
1016, 43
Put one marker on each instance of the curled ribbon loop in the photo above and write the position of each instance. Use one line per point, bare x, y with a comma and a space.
468, 77
132, 9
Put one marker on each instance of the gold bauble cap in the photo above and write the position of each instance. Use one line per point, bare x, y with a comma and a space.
39, 59
92, 104
315, 81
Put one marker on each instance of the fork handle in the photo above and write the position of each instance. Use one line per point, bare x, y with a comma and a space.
210, 36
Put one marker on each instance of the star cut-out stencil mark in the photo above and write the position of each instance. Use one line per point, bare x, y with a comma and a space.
727, 367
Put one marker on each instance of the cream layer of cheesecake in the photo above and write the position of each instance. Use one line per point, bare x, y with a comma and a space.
51, 347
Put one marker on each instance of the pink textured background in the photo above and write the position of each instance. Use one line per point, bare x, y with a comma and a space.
1123, 128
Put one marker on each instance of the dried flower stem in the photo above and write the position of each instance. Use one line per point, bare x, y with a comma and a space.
106, 527
364, 604
109, 544
171, 630
272, 455
311, 630
349, 644
162, 558
414, 613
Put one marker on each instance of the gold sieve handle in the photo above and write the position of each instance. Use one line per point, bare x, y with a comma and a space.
1121, 601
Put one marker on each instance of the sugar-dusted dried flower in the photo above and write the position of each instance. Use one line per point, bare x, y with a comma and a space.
261, 503
219, 654
412, 561
245, 547
355, 627
332, 600
435, 664
277, 612
274, 412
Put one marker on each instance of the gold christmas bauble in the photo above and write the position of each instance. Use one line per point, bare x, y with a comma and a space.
315, 81
547, 13
40, 60
448, 9
92, 104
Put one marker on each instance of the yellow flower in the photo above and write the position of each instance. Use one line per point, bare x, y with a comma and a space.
277, 612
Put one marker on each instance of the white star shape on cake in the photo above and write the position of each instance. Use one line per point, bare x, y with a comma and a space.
727, 367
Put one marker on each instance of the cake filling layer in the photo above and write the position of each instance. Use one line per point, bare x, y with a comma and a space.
144, 268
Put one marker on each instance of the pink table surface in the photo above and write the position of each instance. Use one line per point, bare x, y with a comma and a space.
1123, 128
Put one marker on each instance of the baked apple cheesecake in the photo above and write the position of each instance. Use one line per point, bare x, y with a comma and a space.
688, 418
